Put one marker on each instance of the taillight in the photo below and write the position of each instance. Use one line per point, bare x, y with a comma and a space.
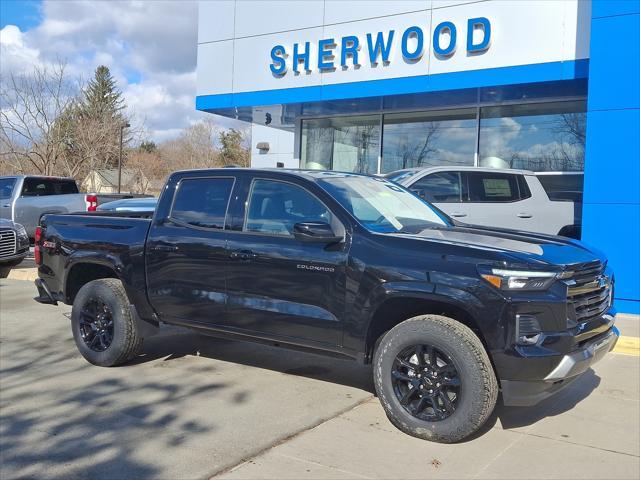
92, 202
37, 255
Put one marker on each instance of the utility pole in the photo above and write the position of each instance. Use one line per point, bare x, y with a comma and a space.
122, 127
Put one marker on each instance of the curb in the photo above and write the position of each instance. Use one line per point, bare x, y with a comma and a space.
28, 274
627, 346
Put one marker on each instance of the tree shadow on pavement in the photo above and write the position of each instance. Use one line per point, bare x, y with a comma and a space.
80, 421
61, 417
175, 342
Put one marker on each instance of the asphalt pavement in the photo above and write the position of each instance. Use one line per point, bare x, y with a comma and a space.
196, 407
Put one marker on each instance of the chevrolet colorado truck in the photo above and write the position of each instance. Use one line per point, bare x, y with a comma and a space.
341, 264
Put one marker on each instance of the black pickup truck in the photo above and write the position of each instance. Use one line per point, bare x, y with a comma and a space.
347, 265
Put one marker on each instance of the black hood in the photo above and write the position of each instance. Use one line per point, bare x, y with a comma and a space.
531, 248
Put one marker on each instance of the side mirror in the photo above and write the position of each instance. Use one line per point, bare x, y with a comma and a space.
315, 232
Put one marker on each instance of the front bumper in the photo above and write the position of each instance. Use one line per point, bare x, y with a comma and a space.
18, 256
569, 367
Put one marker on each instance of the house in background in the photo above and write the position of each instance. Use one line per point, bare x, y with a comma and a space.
106, 181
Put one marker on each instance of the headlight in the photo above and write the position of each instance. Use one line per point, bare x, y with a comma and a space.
21, 232
519, 279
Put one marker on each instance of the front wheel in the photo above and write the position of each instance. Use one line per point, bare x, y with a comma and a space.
434, 379
103, 327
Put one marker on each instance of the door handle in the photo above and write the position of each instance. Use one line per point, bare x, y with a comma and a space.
458, 214
243, 255
525, 215
165, 248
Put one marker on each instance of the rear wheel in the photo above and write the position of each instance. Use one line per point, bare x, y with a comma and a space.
103, 327
434, 379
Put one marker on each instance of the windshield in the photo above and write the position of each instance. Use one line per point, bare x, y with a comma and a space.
382, 206
6, 187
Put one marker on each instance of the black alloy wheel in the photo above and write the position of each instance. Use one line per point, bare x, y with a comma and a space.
96, 325
426, 383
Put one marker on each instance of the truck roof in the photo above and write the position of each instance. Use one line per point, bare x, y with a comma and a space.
48, 177
295, 172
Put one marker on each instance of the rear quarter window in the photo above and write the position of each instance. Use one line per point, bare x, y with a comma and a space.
563, 187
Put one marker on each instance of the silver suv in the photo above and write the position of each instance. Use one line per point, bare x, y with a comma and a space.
514, 199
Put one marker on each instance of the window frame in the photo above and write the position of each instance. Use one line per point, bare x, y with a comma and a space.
182, 223
334, 219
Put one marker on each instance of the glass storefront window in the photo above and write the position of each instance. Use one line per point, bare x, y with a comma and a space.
424, 139
349, 144
538, 137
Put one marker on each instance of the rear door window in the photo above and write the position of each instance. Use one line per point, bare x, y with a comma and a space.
492, 187
439, 187
202, 202
6, 187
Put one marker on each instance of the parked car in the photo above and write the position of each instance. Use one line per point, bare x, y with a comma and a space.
129, 205
346, 265
24, 199
14, 243
504, 198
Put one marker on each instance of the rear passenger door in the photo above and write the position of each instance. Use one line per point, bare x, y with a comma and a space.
186, 252
498, 199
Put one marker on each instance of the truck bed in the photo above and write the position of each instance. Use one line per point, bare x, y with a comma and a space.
105, 238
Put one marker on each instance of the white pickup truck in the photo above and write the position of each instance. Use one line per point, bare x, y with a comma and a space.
24, 199
514, 199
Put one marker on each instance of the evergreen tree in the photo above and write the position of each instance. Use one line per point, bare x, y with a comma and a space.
232, 151
148, 146
92, 139
102, 98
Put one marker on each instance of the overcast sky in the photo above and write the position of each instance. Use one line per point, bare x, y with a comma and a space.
150, 47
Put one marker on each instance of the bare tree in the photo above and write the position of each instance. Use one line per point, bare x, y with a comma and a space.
194, 148
417, 154
31, 137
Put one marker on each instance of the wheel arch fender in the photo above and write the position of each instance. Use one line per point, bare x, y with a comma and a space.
83, 267
392, 303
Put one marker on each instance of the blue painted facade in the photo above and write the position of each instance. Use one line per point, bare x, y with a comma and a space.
610, 80
611, 209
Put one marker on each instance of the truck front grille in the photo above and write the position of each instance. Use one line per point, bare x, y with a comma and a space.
8, 243
589, 293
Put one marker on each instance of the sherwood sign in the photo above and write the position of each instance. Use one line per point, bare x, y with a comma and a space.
378, 47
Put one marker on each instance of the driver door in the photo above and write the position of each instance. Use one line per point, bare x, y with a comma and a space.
279, 287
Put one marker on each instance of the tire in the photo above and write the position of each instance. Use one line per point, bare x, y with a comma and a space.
457, 348
108, 297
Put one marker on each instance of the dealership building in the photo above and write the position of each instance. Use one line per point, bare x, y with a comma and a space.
376, 86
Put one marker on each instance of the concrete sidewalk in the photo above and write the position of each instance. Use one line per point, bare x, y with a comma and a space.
590, 430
